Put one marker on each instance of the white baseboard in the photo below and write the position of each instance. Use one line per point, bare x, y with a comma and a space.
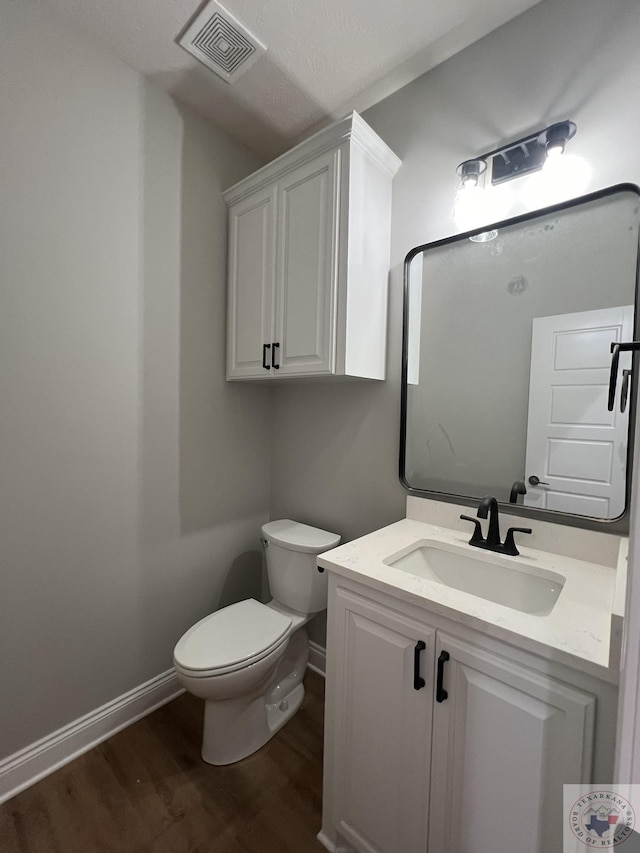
317, 658
34, 762
339, 846
325, 841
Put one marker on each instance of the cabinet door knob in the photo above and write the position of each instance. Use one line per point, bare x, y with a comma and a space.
265, 347
276, 346
418, 682
441, 693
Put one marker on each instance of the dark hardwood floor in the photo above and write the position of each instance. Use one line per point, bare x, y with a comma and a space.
146, 789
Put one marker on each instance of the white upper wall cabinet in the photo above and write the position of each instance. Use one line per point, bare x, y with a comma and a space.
309, 238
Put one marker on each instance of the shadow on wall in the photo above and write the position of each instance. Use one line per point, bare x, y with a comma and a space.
204, 444
246, 579
225, 428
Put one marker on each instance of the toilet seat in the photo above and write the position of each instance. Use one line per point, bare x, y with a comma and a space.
231, 639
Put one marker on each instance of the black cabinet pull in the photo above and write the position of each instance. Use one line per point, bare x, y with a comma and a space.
276, 346
265, 347
441, 693
418, 682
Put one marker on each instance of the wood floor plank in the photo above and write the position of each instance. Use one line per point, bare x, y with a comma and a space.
146, 790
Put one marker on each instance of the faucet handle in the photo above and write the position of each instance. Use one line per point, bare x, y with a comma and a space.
476, 536
509, 546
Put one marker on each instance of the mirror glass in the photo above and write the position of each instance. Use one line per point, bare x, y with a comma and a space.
507, 355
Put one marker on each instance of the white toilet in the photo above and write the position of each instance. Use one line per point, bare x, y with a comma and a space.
248, 659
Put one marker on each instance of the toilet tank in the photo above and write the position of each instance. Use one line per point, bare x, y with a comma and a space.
291, 549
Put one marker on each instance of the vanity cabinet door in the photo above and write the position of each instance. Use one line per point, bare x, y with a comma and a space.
381, 726
306, 268
505, 740
251, 291
283, 275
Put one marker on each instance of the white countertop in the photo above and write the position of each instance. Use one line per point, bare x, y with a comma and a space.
583, 629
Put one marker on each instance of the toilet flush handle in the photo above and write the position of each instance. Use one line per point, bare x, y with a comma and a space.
264, 543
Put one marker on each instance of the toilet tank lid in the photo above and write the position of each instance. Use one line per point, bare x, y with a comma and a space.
299, 537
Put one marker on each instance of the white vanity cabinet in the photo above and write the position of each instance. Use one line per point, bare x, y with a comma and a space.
505, 740
309, 239
378, 725
475, 764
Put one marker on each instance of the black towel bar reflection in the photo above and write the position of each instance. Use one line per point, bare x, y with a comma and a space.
616, 349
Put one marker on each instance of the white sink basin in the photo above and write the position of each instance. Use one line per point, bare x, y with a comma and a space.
493, 577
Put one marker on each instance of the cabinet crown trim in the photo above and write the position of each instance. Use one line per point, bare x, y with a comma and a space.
353, 128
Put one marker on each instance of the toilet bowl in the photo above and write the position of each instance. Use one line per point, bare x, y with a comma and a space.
247, 660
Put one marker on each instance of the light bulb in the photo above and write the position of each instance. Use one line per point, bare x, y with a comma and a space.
468, 207
554, 151
560, 178
475, 206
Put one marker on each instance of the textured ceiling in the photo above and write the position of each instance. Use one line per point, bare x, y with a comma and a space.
323, 58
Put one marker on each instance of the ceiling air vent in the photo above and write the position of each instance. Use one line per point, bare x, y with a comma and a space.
221, 42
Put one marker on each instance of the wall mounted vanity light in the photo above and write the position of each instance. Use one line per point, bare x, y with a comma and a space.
537, 152
518, 158
470, 172
555, 137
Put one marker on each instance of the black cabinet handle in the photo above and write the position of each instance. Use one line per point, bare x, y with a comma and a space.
418, 682
441, 693
265, 347
276, 346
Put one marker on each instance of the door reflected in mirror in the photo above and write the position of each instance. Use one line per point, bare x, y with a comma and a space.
507, 354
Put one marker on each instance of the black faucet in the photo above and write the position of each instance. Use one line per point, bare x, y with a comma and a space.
489, 507
518, 488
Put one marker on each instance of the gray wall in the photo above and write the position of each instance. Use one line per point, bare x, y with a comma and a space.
134, 478
335, 447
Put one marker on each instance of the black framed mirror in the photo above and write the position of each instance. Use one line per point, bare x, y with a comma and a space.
507, 338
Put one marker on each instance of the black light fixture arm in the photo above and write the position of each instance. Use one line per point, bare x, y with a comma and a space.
540, 137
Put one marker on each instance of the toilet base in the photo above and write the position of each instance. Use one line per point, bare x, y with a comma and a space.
278, 714
238, 727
